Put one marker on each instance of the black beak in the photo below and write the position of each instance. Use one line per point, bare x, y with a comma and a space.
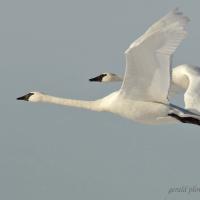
25, 97
98, 78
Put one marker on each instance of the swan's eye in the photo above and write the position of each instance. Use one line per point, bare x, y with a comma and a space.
101, 76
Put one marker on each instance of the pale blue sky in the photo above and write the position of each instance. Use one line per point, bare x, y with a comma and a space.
49, 152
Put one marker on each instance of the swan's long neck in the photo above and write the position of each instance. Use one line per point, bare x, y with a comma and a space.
90, 105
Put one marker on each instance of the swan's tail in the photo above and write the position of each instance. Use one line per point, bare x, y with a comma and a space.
184, 116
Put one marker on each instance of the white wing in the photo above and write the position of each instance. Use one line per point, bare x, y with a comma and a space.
192, 94
148, 59
192, 97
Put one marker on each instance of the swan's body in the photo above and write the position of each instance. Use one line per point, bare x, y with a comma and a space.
143, 96
185, 78
155, 113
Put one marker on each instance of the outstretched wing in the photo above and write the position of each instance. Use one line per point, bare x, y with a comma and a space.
148, 59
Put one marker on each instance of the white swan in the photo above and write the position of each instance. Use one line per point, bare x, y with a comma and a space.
185, 78
143, 96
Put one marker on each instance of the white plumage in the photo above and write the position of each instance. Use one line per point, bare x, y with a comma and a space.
143, 96
185, 79
148, 59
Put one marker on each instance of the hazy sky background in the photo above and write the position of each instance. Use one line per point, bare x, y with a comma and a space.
49, 152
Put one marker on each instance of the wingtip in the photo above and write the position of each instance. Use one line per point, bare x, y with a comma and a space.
176, 11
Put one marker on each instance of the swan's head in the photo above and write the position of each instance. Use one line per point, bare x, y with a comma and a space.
31, 96
106, 77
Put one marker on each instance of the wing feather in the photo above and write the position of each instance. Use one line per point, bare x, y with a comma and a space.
148, 59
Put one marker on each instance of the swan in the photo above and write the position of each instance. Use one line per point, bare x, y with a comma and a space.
143, 96
185, 78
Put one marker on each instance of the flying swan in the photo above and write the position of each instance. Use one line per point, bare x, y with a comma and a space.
185, 78
143, 96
